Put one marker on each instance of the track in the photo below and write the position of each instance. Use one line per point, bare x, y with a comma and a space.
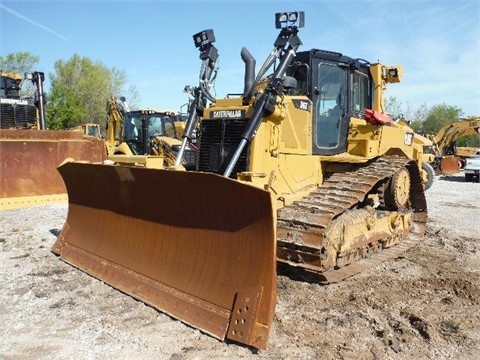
302, 227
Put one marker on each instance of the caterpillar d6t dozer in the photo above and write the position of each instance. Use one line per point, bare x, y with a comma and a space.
29, 153
304, 169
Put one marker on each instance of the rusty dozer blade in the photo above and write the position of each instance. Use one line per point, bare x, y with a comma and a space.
29, 161
197, 246
450, 165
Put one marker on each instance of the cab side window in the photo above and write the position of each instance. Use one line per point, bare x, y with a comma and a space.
361, 93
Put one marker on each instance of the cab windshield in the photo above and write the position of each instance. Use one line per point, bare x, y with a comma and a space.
156, 125
161, 125
93, 130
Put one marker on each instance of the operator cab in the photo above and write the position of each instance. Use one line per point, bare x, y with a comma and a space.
339, 87
9, 87
140, 126
92, 130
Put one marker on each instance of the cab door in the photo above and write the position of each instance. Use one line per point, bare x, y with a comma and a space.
330, 106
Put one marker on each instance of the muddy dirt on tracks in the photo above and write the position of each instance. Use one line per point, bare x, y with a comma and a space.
424, 304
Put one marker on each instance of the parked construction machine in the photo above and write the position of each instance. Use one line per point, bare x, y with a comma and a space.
303, 169
89, 129
450, 159
29, 153
17, 112
145, 137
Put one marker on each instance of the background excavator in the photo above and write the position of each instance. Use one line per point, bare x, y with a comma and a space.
30, 153
145, 137
450, 159
303, 169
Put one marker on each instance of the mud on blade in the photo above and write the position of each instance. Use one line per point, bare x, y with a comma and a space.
197, 246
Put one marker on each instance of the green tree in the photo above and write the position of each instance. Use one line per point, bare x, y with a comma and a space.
425, 120
472, 140
438, 116
21, 63
415, 117
418, 117
80, 88
64, 108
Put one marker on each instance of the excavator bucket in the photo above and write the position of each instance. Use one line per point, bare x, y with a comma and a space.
29, 161
450, 165
197, 246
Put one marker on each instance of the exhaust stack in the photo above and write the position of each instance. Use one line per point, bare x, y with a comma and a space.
249, 61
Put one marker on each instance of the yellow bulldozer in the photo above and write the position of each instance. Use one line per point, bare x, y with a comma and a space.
303, 170
29, 152
145, 137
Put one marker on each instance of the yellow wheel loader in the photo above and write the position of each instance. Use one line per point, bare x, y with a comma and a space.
304, 170
29, 153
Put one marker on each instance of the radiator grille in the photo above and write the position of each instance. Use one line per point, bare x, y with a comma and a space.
189, 156
16, 116
218, 141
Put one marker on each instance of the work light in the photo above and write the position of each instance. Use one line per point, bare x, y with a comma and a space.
204, 38
289, 19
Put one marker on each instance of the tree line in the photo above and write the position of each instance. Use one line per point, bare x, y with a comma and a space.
429, 120
80, 88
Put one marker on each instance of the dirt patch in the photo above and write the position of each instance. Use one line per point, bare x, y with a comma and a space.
423, 304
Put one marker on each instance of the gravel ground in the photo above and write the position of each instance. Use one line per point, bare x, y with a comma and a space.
424, 304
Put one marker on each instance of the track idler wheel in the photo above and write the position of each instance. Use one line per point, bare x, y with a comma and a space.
397, 192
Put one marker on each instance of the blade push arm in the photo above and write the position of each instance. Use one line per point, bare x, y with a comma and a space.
202, 93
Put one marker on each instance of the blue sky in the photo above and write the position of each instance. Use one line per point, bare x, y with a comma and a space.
436, 41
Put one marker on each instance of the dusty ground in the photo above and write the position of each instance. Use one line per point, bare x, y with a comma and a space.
422, 305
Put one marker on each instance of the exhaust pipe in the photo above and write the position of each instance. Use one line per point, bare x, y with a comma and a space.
249, 61
38, 78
